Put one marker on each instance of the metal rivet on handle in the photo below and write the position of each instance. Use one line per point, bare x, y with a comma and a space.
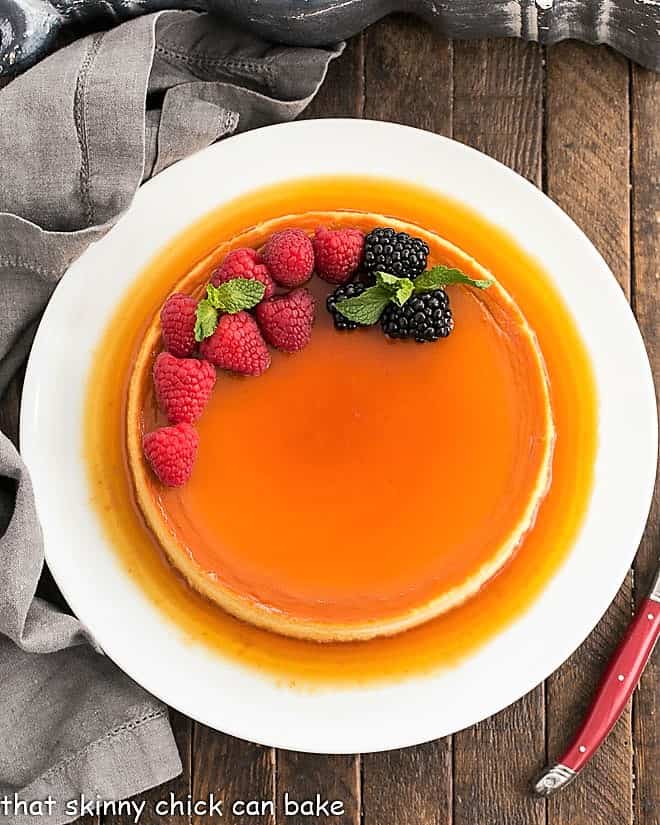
620, 677
582, 749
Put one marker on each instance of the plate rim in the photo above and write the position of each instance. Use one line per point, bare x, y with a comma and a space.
31, 392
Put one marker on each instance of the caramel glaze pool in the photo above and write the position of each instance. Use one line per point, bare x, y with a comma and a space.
362, 486
456, 632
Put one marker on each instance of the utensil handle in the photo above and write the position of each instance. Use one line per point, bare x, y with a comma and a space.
620, 679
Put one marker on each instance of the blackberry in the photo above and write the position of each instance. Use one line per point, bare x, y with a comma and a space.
350, 290
424, 317
395, 252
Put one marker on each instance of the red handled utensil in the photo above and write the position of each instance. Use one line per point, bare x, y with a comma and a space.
622, 675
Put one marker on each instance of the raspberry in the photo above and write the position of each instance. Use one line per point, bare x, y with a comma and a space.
183, 387
171, 451
337, 253
177, 321
244, 263
237, 345
289, 256
286, 320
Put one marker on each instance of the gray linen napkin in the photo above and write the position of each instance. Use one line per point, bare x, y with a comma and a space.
78, 134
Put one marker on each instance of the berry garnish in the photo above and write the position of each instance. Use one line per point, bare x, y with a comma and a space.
337, 253
183, 386
286, 320
171, 451
177, 321
425, 317
237, 345
350, 290
367, 308
244, 263
409, 301
289, 256
386, 250
230, 297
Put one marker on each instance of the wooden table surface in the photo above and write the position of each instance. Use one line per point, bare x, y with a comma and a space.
583, 124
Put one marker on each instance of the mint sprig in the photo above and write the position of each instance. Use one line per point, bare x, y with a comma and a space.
400, 289
230, 297
367, 308
235, 295
441, 276
206, 320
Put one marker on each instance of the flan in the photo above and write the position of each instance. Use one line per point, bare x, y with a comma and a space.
360, 487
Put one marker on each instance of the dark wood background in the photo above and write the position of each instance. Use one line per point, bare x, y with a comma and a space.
583, 124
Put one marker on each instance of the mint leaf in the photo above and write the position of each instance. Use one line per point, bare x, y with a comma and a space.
440, 276
206, 320
388, 281
367, 308
230, 297
213, 295
400, 289
403, 292
235, 295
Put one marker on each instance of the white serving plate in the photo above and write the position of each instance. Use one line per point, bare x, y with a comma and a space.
217, 691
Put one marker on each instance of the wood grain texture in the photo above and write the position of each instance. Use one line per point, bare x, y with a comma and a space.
408, 75
645, 168
587, 149
342, 93
493, 764
234, 770
498, 102
334, 778
409, 787
498, 109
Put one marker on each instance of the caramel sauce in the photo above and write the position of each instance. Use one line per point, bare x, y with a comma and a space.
239, 406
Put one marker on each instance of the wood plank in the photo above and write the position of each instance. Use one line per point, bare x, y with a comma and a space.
498, 102
304, 775
408, 75
408, 79
646, 303
587, 147
234, 770
342, 93
587, 156
493, 763
498, 108
410, 786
